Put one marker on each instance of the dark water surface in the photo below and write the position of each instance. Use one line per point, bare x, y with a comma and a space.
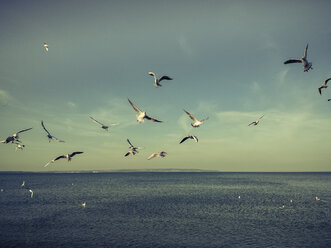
166, 210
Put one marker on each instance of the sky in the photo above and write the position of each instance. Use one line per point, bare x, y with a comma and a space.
225, 58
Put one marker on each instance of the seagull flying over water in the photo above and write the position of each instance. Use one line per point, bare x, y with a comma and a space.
157, 154
195, 138
49, 136
31, 193
157, 81
23, 184
14, 137
45, 45
256, 122
323, 86
102, 125
84, 204
133, 150
196, 122
67, 156
306, 65
141, 115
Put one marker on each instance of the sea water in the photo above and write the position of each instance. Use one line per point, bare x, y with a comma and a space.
165, 210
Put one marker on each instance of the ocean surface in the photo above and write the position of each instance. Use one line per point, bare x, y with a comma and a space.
165, 210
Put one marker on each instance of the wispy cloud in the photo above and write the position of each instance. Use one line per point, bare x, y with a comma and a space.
5, 97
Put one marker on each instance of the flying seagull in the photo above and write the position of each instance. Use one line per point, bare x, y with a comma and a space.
23, 184
84, 204
45, 46
31, 193
14, 137
323, 86
157, 154
19, 147
102, 125
195, 138
157, 81
133, 150
196, 122
306, 65
67, 156
141, 115
49, 136
256, 122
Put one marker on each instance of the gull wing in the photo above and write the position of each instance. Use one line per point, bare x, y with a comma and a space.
96, 121
74, 153
24, 130
152, 119
152, 156
127, 154
290, 61
129, 142
205, 119
261, 117
191, 116
252, 123
152, 74
165, 78
320, 90
326, 81
195, 138
42, 124
185, 138
135, 107
58, 139
305, 53
53, 160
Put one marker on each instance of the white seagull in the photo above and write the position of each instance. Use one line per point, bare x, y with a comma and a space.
157, 81
102, 125
67, 156
49, 136
19, 147
141, 115
306, 65
133, 150
84, 204
196, 122
45, 45
195, 138
31, 193
323, 86
14, 137
23, 184
256, 122
157, 154
317, 198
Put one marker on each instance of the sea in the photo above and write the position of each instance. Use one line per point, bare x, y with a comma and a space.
165, 209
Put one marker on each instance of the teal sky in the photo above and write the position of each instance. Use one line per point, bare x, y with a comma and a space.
226, 58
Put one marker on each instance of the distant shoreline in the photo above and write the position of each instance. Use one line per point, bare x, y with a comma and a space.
162, 171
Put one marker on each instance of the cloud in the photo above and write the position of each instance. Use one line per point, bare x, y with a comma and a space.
4, 97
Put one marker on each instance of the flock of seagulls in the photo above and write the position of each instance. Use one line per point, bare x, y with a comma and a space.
141, 116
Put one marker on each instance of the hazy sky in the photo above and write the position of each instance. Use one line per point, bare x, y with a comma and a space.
226, 58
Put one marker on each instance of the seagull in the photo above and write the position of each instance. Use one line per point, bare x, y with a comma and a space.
323, 86
133, 150
84, 204
141, 115
306, 65
49, 136
23, 184
30, 190
14, 137
282, 207
19, 147
195, 138
196, 122
157, 154
256, 122
67, 156
317, 198
239, 197
157, 81
102, 125
45, 46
